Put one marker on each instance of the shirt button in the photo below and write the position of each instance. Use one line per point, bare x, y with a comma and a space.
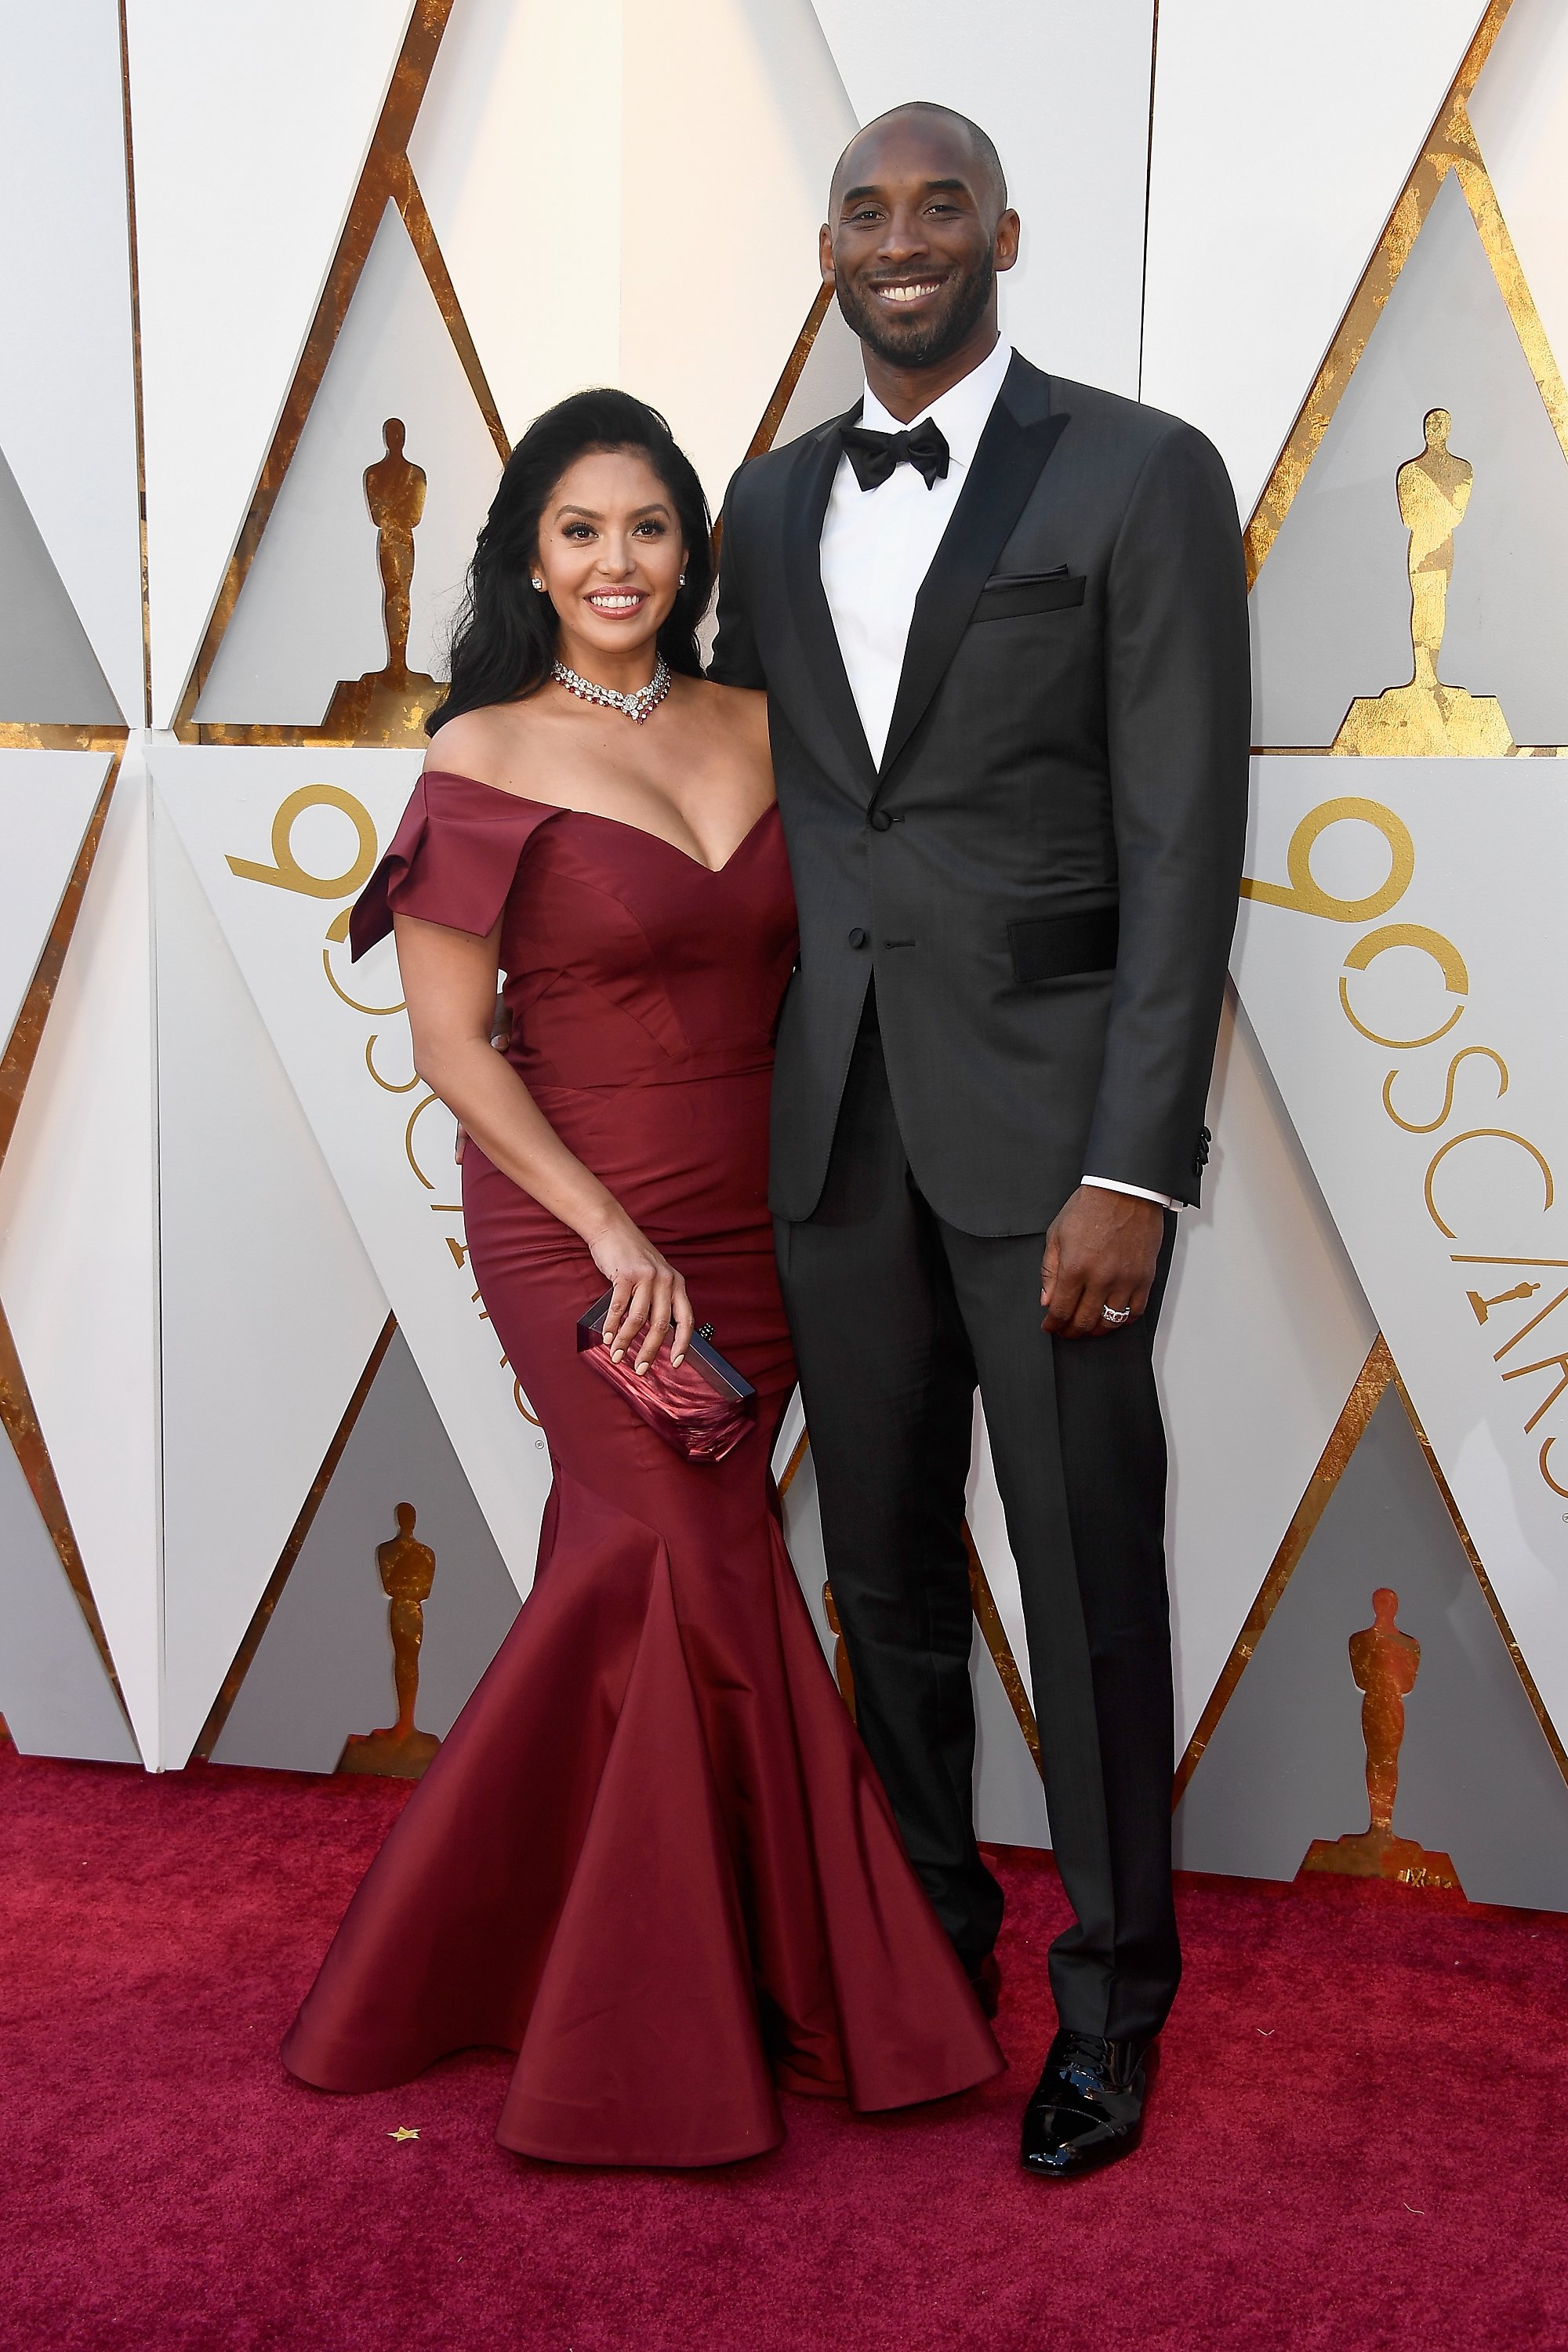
879, 821
858, 938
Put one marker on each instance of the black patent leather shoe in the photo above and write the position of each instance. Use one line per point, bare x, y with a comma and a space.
1088, 2107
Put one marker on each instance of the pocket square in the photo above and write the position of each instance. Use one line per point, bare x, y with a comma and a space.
1012, 593
1025, 579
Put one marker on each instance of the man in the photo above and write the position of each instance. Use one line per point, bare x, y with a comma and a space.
1000, 620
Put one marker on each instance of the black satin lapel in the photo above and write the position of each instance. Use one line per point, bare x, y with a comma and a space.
1007, 463
827, 683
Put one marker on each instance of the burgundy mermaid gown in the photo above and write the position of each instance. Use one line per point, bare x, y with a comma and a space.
652, 1856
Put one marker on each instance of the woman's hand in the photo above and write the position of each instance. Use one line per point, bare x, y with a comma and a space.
648, 1297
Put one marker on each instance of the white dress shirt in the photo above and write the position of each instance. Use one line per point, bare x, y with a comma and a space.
877, 547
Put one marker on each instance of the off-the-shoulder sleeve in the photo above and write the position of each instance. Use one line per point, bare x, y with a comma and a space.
453, 859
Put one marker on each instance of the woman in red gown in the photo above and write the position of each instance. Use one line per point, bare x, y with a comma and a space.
652, 1857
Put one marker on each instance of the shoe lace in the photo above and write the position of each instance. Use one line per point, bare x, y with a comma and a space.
1091, 2063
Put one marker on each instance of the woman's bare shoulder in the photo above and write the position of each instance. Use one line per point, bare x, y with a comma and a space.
740, 706
735, 714
489, 746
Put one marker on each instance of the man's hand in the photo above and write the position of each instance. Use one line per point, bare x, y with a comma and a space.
1100, 1251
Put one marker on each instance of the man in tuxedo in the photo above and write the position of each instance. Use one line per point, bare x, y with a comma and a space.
1000, 620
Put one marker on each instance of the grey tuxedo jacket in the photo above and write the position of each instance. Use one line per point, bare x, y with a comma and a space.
1042, 873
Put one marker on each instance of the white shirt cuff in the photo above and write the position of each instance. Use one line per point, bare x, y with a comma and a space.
1139, 1192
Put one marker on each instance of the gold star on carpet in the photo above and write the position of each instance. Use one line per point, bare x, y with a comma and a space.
403, 2132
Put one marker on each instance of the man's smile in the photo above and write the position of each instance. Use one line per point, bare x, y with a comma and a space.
904, 292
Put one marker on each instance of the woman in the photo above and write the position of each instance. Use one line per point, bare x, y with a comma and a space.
652, 1856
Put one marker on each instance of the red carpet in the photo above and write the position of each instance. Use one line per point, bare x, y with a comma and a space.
1357, 2139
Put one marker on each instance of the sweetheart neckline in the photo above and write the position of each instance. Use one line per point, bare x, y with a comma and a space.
450, 775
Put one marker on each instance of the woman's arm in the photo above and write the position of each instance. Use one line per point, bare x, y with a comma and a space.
449, 980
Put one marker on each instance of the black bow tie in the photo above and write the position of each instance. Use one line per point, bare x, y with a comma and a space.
875, 456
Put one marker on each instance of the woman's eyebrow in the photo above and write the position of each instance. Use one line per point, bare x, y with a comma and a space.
592, 514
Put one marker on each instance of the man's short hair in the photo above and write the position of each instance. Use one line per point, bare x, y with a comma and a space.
984, 145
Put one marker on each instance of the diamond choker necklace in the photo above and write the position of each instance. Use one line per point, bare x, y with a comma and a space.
637, 706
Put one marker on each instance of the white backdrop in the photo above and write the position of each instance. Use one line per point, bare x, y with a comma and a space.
206, 1211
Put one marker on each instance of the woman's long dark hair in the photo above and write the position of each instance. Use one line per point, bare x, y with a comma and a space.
504, 639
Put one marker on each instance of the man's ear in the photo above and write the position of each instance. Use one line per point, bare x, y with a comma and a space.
1009, 229
824, 252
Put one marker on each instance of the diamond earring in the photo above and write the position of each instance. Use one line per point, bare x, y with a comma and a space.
682, 580
539, 585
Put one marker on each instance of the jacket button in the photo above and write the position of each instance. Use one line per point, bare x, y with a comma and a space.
879, 821
858, 938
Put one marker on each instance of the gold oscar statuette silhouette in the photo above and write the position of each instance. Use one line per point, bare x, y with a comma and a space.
1385, 1662
407, 1571
1482, 1308
1427, 717
389, 706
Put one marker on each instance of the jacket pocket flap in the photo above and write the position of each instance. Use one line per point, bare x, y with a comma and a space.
1056, 947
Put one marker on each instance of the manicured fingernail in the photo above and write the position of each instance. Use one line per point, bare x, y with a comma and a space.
641, 1369
678, 1360
615, 1355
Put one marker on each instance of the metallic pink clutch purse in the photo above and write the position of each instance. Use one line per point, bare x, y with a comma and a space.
702, 1407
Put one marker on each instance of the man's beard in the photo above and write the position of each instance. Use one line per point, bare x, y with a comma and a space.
938, 338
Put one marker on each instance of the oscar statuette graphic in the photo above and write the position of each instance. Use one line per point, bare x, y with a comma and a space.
1427, 717
1385, 1662
389, 705
407, 1571
1482, 1307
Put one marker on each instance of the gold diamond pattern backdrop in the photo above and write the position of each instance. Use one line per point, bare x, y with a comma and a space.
287, 284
